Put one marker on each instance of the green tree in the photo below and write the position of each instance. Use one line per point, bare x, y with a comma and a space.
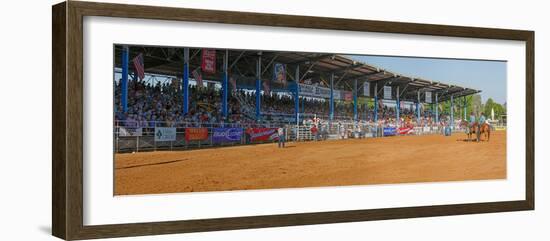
476, 105
489, 104
499, 109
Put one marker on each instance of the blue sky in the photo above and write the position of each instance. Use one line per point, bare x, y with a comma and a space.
487, 76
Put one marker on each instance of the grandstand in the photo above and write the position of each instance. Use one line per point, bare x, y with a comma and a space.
169, 101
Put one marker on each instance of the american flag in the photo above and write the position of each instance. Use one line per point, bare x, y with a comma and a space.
266, 87
138, 66
198, 76
233, 81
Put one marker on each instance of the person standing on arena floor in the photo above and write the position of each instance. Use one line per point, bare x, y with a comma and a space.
281, 132
314, 132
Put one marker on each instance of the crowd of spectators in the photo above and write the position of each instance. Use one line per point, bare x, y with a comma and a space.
160, 104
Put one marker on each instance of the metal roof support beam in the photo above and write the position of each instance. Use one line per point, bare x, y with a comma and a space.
266, 68
341, 77
307, 71
349, 86
165, 54
465, 106
314, 59
225, 86
355, 100
258, 87
237, 59
124, 80
348, 68
385, 81
376, 104
297, 98
239, 71
436, 109
458, 93
418, 107
403, 91
194, 54
397, 107
331, 115
363, 76
250, 69
185, 81
452, 113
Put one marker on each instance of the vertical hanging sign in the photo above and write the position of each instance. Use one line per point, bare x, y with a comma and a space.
366, 89
208, 63
387, 92
279, 73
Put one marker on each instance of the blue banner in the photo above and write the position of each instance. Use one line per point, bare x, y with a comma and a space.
389, 131
220, 135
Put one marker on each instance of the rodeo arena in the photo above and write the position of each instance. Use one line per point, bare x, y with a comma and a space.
194, 119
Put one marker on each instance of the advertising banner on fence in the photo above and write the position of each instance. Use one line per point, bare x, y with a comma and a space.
263, 134
220, 135
165, 133
128, 131
196, 134
405, 130
389, 131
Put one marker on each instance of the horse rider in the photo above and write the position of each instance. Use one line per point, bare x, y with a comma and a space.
482, 119
472, 119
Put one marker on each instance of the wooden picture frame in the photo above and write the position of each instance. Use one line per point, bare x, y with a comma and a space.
67, 124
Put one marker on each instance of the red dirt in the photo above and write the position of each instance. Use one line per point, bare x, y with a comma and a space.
402, 159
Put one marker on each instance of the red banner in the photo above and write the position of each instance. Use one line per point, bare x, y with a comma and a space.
263, 134
209, 60
196, 134
348, 96
405, 130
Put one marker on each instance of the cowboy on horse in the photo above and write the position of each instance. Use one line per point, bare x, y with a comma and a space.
472, 119
482, 119
472, 127
484, 126
477, 127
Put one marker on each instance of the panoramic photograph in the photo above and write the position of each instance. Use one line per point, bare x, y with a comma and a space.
194, 119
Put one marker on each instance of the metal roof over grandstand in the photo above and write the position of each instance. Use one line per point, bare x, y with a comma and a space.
317, 66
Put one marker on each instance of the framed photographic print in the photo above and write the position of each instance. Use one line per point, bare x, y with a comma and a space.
171, 120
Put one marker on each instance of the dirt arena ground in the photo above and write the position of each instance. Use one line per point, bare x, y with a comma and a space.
402, 159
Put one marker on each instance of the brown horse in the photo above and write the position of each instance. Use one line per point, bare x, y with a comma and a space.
471, 129
485, 129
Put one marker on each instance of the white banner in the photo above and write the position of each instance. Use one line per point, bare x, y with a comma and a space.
165, 133
366, 88
127, 131
337, 94
319, 92
428, 97
387, 92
